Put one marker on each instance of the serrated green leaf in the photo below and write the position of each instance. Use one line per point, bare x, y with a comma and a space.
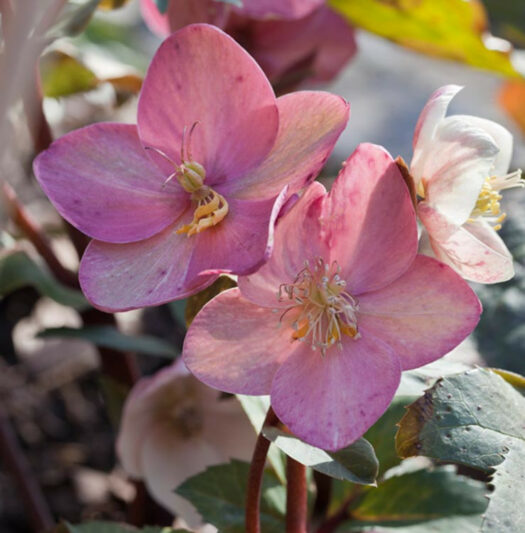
219, 495
111, 337
63, 75
421, 495
456, 524
503, 514
477, 419
452, 29
356, 463
256, 408
18, 270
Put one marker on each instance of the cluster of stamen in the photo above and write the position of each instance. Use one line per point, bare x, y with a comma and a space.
488, 202
324, 310
211, 207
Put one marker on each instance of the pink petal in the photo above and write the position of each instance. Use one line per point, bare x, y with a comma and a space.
297, 239
208, 79
474, 250
101, 180
139, 417
181, 13
422, 315
291, 9
168, 460
331, 401
502, 139
227, 427
313, 48
119, 277
459, 160
433, 113
309, 125
370, 221
236, 346
241, 242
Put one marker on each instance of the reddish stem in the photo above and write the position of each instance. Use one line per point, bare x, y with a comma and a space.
15, 462
34, 233
296, 497
332, 523
253, 496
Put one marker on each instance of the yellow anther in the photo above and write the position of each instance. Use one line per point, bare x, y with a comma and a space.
488, 206
211, 209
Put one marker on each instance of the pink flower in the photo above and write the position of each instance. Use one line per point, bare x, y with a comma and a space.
294, 42
346, 280
174, 427
460, 165
194, 188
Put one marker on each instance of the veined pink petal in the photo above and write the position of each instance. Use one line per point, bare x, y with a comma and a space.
474, 250
235, 345
314, 47
422, 315
168, 460
101, 180
331, 401
291, 9
433, 112
309, 125
208, 80
370, 221
297, 239
455, 166
241, 242
502, 139
182, 13
119, 277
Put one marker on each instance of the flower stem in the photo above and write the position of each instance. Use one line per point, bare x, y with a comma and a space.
253, 496
16, 463
296, 497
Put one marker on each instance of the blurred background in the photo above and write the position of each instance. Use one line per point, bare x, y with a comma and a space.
49, 387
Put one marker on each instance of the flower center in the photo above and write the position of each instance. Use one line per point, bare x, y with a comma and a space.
211, 207
187, 420
488, 202
325, 311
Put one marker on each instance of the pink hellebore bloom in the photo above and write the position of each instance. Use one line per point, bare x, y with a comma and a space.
293, 42
346, 280
460, 165
193, 190
174, 427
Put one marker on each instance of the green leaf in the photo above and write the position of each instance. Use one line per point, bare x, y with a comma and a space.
452, 29
162, 5
421, 495
503, 515
455, 524
111, 337
112, 4
112, 527
382, 434
356, 463
18, 270
63, 75
256, 408
73, 19
219, 495
475, 419
196, 302
507, 17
